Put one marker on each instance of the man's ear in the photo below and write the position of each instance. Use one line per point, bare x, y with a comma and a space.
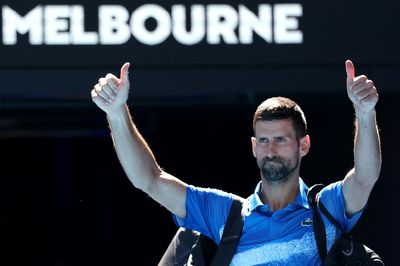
253, 146
305, 144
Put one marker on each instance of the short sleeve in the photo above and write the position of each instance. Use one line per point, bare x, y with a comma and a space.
206, 211
332, 198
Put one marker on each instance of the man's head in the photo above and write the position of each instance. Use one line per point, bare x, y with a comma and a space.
280, 139
278, 108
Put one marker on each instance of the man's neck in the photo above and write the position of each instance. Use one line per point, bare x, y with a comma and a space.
279, 195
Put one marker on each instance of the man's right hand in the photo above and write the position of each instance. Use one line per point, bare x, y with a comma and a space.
111, 93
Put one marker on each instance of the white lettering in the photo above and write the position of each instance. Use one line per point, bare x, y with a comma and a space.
113, 24
13, 23
222, 20
286, 23
162, 30
197, 32
249, 22
56, 24
152, 24
78, 34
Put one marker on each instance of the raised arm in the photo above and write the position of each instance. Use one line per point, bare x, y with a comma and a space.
110, 94
360, 180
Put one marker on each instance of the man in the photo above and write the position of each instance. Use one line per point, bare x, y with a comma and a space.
277, 226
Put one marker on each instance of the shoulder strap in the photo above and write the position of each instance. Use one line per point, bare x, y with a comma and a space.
314, 200
318, 223
231, 235
329, 216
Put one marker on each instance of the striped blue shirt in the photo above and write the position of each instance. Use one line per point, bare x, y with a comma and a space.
282, 237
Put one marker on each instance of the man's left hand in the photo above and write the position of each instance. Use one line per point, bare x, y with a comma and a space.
360, 90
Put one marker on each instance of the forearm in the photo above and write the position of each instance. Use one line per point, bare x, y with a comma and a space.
132, 150
110, 94
367, 151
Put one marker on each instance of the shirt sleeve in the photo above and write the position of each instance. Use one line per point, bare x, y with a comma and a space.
332, 198
206, 211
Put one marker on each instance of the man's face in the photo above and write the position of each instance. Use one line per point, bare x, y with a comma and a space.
277, 150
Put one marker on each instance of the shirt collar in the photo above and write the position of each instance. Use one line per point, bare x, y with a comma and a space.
300, 200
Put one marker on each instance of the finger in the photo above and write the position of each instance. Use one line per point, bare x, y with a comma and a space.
100, 92
97, 99
360, 84
102, 81
124, 73
112, 82
110, 92
365, 93
350, 70
105, 87
112, 77
369, 84
362, 79
371, 98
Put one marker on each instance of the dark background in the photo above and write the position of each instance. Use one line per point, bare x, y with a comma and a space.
64, 198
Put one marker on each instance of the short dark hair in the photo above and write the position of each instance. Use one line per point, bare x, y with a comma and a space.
277, 108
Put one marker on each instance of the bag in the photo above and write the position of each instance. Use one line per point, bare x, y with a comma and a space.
189, 247
345, 250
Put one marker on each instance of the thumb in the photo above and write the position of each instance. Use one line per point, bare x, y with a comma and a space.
124, 73
350, 70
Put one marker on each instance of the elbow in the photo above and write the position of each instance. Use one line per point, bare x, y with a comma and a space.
147, 181
367, 179
372, 180
368, 174
376, 174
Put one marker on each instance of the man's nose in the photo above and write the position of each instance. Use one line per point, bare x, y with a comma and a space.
271, 150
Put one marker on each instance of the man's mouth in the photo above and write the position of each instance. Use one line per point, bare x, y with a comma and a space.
269, 162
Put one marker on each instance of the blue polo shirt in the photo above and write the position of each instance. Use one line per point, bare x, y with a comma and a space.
282, 237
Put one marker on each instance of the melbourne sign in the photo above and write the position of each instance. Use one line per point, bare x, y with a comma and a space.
187, 25
190, 33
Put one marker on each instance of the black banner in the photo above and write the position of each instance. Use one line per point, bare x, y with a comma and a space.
198, 32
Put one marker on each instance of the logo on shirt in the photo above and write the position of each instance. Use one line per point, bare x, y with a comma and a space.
349, 251
306, 222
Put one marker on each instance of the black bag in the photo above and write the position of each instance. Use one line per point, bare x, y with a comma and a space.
189, 247
345, 250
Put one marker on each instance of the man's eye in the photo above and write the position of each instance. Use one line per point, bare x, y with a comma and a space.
263, 140
280, 139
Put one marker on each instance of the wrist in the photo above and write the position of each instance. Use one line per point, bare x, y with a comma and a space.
118, 113
366, 117
365, 113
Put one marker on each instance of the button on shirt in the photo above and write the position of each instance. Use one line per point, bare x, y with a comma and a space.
282, 237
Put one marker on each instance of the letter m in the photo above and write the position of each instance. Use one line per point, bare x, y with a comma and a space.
13, 23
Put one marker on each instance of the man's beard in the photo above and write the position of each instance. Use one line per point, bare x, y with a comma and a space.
277, 169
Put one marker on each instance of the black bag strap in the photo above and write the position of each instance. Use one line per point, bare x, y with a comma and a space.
362, 255
231, 235
318, 223
329, 216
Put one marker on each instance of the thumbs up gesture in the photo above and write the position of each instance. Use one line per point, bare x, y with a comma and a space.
360, 90
111, 93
